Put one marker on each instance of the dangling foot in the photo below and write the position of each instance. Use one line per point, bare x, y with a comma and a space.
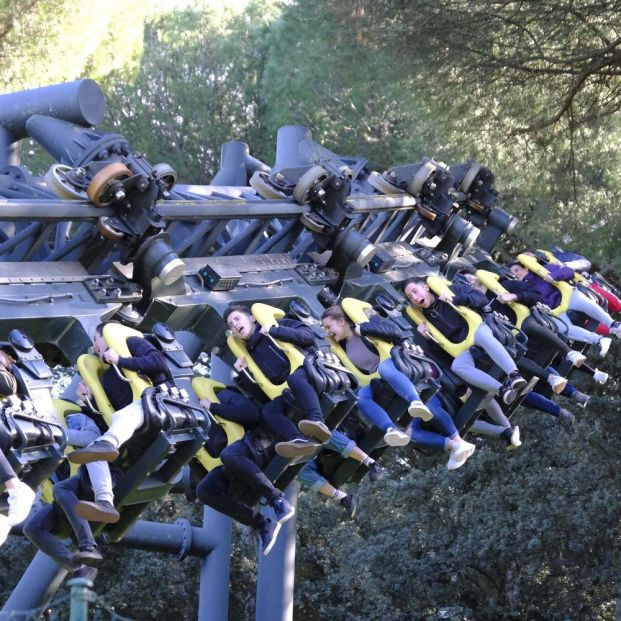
21, 498
100, 450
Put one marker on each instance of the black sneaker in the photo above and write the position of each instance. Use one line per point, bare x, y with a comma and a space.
100, 450
283, 509
516, 381
87, 556
350, 504
508, 395
315, 429
298, 447
376, 472
268, 532
506, 435
101, 511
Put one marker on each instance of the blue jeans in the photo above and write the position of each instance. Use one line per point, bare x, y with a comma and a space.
399, 382
538, 402
310, 476
441, 421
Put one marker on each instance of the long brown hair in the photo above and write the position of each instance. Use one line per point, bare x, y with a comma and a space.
6, 360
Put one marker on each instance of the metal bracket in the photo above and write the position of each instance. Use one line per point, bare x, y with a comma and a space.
113, 289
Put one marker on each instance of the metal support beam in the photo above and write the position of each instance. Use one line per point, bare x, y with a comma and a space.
37, 587
213, 603
275, 577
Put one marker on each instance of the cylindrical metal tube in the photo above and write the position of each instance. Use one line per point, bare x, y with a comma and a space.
288, 140
80, 102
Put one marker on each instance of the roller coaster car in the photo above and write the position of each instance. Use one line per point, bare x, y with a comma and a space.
335, 403
222, 432
542, 356
467, 413
407, 357
173, 432
565, 289
439, 286
31, 434
580, 282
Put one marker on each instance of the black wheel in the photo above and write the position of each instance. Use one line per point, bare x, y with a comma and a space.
107, 230
167, 174
260, 184
304, 186
311, 223
57, 182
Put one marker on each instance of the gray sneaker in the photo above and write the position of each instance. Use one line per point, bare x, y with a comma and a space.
566, 417
580, 398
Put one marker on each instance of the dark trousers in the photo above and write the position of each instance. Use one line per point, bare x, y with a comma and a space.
246, 463
39, 526
530, 367
214, 491
305, 394
234, 406
543, 336
6, 472
274, 415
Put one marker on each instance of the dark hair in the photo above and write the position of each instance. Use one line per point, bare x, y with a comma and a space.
415, 280
334, 312
240, 308
514, 262
467, 269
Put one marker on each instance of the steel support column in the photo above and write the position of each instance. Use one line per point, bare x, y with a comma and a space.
276, 573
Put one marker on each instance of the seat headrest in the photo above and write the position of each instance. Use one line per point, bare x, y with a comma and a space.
20, 340
163, 332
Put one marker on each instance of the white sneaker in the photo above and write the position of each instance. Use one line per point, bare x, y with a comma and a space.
576, 358
600, 377
395, 437
515, 438
20, 503
459, 455
417, 409
604, 345
5, 528
558, 383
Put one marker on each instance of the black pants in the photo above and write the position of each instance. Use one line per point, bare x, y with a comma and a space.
240, 462
543, 336
530, 367
40, 525
234, 406
305, 394
6, 472
275, 418
214, 491
247, 463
